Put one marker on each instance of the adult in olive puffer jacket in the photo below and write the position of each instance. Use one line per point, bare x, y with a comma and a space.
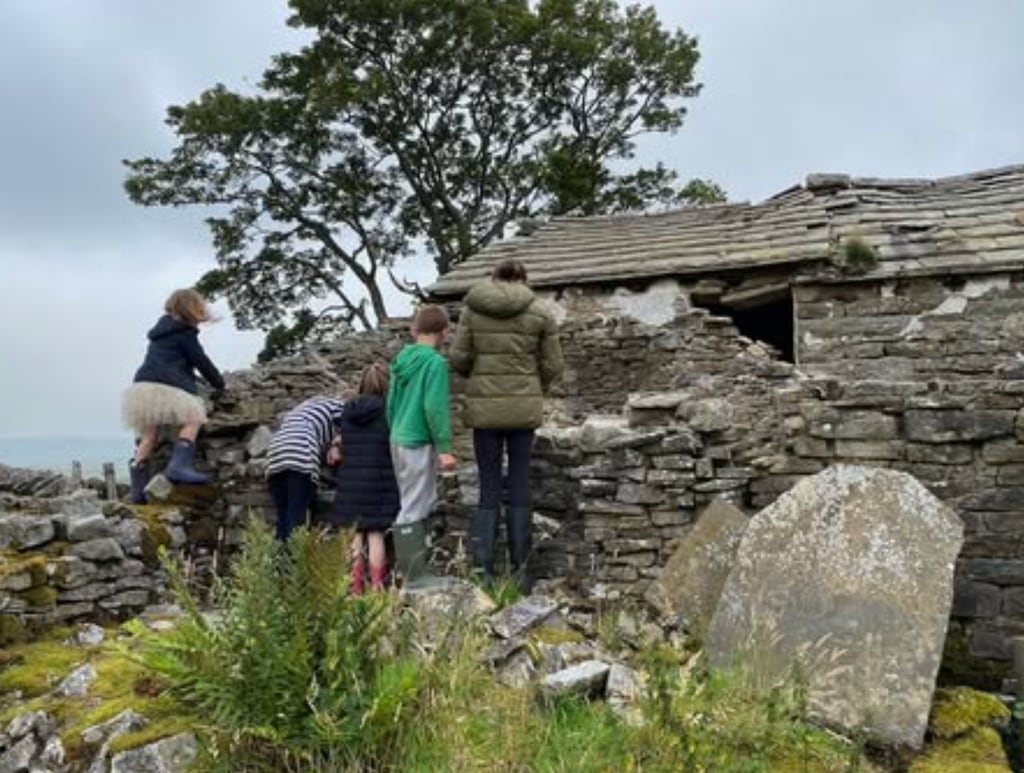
507, 345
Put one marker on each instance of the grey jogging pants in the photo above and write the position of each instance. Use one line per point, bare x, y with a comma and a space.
416, 474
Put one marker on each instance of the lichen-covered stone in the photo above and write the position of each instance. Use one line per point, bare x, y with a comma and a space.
517, 619
19, 757
100, 549
691, 583
586, 678
76, 684
87, 527
168, 755
23, 532
851, 574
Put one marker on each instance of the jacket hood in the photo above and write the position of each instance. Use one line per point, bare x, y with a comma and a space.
499, 299
408, 362
365, 409
167, 325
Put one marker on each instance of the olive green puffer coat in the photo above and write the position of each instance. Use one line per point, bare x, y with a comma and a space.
507, 344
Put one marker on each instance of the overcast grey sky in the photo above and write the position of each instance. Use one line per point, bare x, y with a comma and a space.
880, 87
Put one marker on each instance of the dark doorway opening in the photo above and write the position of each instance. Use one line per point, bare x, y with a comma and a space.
770, 322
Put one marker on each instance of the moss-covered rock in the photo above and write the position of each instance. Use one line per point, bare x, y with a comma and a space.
39, 665
12, 630
34, 565
959, 710
978, 751
35, 667
549, 634
42, 597
154, 535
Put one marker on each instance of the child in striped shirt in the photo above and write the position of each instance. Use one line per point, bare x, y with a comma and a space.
305, 440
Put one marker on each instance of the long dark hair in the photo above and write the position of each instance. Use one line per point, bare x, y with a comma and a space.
509, 271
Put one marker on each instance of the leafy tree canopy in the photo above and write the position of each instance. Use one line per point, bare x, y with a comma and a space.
408, 125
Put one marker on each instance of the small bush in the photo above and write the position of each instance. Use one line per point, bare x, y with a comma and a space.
297, 674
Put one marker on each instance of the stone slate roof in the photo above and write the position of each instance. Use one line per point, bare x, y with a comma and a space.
968, 223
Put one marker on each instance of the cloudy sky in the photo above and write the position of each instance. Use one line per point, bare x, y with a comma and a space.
908, 88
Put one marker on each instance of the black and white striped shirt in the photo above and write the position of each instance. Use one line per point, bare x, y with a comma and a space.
301, 442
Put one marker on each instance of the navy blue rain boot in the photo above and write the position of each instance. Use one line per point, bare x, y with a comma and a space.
180, 469
481, 541
138, 473
518, 524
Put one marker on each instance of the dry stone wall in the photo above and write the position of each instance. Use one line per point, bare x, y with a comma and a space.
964, 440
952, 328
73, 557
658, 417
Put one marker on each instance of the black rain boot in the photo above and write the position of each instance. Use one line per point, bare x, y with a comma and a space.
482, 533
138, 474
180, 468
518, 522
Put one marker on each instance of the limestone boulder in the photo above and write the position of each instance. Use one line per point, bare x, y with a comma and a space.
849, 574
169, 755
445, 605
517, 619
691, 582
22, 532
586, 678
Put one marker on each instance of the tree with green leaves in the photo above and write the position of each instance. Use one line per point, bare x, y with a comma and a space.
406, 126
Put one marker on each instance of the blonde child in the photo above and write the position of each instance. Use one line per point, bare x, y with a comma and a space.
165, 391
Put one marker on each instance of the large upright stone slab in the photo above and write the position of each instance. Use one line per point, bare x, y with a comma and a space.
691, 583
850, 573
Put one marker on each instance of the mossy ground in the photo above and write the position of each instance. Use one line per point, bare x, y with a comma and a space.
979, 751
34, 668
961, 709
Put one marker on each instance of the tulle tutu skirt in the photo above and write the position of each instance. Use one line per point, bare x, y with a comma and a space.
148, 404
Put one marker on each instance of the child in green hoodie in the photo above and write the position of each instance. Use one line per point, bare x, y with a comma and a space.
421, 435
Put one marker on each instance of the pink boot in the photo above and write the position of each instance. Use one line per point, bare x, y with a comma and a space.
357, 584
377, 576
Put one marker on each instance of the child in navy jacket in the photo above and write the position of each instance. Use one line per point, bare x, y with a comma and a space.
165, 391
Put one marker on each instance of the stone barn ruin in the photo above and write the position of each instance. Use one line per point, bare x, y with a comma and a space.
862, 320
726, 353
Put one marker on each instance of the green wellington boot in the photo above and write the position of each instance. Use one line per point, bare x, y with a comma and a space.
411, 553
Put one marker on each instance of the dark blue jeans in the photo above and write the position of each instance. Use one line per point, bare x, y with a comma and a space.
293, 493
490, 446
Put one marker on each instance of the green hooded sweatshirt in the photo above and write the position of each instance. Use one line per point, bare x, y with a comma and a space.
418, 399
